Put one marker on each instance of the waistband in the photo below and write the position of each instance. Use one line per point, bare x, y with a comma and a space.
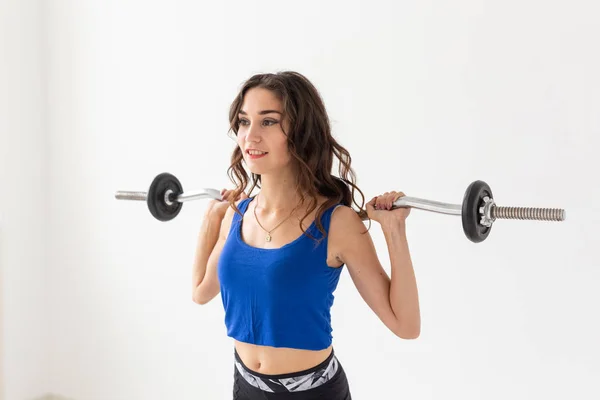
286, 375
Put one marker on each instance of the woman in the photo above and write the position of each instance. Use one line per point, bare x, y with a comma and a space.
276, 257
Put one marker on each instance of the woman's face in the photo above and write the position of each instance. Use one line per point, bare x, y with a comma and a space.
260, 134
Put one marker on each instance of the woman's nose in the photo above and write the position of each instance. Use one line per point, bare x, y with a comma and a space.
253, 134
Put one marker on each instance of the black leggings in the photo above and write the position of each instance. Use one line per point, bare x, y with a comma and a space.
324, 381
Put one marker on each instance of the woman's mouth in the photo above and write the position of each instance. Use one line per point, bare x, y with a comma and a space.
255, 154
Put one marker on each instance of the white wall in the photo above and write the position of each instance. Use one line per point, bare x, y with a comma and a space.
427, 97
23, 269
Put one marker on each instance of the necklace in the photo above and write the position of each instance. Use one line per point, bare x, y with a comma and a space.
268, 237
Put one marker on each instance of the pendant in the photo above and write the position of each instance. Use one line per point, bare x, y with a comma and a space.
268, 238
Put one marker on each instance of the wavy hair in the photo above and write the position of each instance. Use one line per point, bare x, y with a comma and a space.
310, 144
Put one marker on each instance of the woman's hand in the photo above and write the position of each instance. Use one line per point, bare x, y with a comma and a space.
380, 209
218, 208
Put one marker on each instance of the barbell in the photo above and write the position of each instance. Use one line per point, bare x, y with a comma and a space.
478, 211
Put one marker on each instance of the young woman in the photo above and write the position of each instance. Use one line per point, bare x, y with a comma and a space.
276, 257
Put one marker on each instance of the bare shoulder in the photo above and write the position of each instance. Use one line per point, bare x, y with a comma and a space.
345, 229
344, 218
228, 219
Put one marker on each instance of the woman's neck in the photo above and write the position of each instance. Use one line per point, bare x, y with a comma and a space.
278, 193
278, 199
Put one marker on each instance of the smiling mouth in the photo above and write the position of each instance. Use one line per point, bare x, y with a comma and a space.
256, 154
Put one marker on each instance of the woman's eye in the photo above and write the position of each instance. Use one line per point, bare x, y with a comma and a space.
266, 122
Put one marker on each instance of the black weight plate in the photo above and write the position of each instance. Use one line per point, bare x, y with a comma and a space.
156, 197
471, 217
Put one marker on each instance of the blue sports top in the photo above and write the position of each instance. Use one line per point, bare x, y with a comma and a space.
278, 297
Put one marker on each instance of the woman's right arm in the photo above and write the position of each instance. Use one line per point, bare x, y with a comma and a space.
212, 237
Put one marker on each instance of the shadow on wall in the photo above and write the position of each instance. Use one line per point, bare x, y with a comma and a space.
52, 396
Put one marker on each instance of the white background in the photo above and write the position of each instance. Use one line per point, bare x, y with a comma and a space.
100, 96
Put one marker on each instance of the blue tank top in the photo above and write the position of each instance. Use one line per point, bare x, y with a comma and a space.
278, 297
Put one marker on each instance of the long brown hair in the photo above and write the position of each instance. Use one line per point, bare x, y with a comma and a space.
310, 144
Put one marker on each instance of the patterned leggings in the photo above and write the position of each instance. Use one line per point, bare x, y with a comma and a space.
324, 381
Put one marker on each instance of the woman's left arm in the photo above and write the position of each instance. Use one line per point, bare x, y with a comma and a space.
404, 295
395, 300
